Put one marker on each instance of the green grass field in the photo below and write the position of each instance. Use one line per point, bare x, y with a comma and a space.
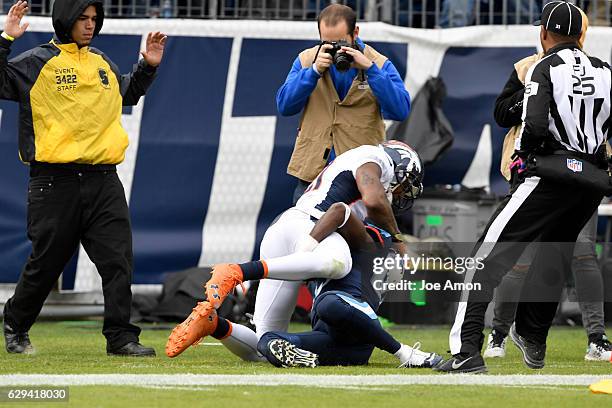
79, 348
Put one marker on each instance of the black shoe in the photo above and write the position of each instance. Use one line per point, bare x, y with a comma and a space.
17, 343
600, 340
132, 349
533, 353
473, 364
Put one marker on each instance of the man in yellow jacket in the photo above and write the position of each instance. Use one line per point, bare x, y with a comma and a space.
70, 97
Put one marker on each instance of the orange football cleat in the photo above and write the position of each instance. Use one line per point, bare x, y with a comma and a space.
200, 323
225, 277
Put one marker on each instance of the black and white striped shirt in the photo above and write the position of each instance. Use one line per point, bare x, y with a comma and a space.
566, 102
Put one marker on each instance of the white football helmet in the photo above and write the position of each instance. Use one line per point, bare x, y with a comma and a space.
407, 183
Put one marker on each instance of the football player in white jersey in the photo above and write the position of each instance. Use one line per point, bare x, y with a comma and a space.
375, 180
345, 327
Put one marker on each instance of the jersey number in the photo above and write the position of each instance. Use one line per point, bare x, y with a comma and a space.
582, 85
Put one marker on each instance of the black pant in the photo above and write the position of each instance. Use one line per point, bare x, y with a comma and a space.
535, 209
68, 204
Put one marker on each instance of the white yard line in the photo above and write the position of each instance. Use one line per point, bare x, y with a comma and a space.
315, 380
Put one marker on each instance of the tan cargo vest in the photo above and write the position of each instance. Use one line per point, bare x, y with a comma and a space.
327, 121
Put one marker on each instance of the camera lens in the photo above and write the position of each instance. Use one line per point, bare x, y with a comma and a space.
342, 61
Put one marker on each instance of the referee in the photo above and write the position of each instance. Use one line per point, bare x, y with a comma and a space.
566, 116
70, 98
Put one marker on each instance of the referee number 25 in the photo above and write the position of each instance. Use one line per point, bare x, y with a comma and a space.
582, 85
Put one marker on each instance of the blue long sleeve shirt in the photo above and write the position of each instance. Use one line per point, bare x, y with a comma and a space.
385, 82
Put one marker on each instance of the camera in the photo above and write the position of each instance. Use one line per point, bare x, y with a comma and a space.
342, 60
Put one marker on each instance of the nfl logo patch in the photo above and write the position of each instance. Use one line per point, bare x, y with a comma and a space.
574, 165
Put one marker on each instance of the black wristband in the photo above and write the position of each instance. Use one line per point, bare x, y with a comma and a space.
149, 69
5, 43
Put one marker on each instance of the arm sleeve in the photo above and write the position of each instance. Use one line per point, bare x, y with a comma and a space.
389, 89
135, 84
9, 71
509, 103
294, 93
536, 107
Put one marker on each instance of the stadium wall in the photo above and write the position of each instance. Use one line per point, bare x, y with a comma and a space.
205, 170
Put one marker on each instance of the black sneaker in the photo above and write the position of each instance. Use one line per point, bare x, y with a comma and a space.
533, 353
17, 343
132, 349
286, 354
473, 364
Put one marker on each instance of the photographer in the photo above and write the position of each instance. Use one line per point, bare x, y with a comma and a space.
341, 108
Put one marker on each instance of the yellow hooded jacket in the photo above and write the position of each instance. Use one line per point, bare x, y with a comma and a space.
70, 98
